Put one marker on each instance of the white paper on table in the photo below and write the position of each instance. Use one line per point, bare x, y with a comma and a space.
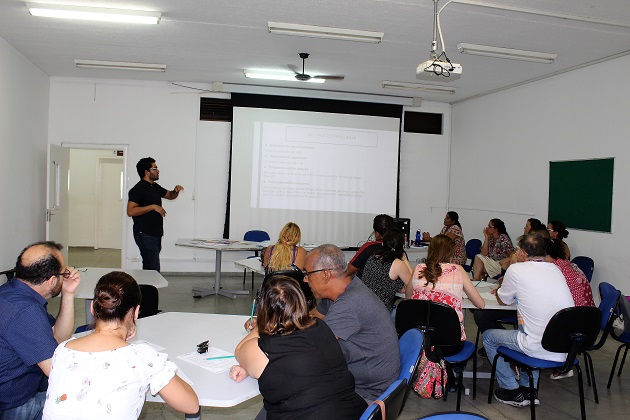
214, 366
153, 346
488, 296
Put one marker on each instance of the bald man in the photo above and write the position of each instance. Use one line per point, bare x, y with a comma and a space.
28, 334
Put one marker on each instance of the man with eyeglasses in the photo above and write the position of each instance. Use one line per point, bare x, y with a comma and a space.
363, 326
28, 334
145, 207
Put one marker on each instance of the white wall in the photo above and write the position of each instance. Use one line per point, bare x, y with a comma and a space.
24, 92
154, 121
502, 145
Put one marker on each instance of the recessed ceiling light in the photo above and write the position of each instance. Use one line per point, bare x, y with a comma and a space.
417, 87
279, 76
324, 32
509, 53
118, 65
93, 13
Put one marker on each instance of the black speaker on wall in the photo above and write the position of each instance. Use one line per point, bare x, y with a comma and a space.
404, 225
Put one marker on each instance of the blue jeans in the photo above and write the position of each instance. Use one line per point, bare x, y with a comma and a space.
30, 410
150, 247
506, 378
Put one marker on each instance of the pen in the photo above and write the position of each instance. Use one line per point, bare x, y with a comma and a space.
478, 283
219, 357
251, 317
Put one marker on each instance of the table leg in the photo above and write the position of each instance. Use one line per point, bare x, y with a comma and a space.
199, 292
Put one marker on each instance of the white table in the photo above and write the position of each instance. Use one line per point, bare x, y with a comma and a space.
251, 264
219, 245
91, 275
179, 333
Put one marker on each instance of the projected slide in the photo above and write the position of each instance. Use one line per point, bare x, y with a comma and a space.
305, 167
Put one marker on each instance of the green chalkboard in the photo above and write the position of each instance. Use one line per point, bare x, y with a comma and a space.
581, 193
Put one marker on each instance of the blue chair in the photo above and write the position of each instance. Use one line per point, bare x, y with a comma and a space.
609, 297
572, 331
410, 351
624, 338
83, 328
392, 400
454, 415
586, 264
254, 236
473, 247
442, 331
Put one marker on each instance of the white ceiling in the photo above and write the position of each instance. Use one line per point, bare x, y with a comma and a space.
203, 41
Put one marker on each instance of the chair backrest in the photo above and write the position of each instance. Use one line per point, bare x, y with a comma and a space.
9, 273
410, 345
572, 331
438, 321
256, 236
586, 264
299, 277
473, 247
393, 399
609, 297
150, 300
624, 313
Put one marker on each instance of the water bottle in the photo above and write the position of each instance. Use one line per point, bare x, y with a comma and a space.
418, 237
406, 243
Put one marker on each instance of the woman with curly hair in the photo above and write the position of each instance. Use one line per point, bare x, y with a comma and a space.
439, 280
301, 370
285, 253
496, 246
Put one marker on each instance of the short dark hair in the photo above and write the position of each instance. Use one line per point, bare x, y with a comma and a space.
114, 295
282, 307
43, 268
533, 245
144, 164
382, 223
535, 224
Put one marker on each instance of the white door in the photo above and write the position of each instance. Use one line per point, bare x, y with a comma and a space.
109, 204
57, 196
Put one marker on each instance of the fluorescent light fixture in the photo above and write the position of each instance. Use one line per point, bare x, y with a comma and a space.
93, 13
118, 65
279, 76
324, 32
508, 53
418, 87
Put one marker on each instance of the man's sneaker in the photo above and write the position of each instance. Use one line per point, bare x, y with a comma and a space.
526, 393
515, 397
481, 352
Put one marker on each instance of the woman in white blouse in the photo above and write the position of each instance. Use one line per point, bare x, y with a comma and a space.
100, 375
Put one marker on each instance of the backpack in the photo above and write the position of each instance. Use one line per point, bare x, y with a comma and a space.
432, 376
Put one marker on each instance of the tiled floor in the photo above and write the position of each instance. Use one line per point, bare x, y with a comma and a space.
559, 399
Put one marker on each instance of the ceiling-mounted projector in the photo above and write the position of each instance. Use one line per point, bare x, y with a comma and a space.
438, 70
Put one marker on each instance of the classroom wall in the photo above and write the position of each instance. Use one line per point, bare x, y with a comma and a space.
502, 144
156, 120
23, 137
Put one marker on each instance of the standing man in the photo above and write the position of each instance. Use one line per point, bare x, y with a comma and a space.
145, 207
28, 334
362, 324
539, 290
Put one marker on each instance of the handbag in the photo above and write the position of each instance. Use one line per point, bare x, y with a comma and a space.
432, 378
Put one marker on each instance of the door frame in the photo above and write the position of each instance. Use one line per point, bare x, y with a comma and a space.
123, 210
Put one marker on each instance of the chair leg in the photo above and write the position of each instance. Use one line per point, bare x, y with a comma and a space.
244, 275
252, 280
623, 360
612, 370
590, 371
492, 375
532, 398
581, 388
474, 390
460, 386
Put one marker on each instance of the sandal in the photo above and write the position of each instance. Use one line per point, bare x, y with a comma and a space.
555, 375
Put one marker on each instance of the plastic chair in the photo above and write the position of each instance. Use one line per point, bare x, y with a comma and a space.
150, 301
442, 330
254, 236
624, 338
9, 273
82, 328
410, 345
473, 247
609, 297
299, 277
454, 415
586, 264
392, 398
572, 331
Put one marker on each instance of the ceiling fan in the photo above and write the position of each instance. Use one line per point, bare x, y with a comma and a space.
303, 77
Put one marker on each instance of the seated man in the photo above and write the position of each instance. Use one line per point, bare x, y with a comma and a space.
359, 320
540, 291
382, 223
28, 334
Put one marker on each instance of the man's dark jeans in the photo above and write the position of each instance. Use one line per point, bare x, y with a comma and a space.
150, 247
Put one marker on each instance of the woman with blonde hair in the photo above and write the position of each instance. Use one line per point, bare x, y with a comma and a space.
285, 253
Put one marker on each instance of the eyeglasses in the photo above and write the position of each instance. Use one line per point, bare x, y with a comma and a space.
307, 273
66, 274
550, 230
